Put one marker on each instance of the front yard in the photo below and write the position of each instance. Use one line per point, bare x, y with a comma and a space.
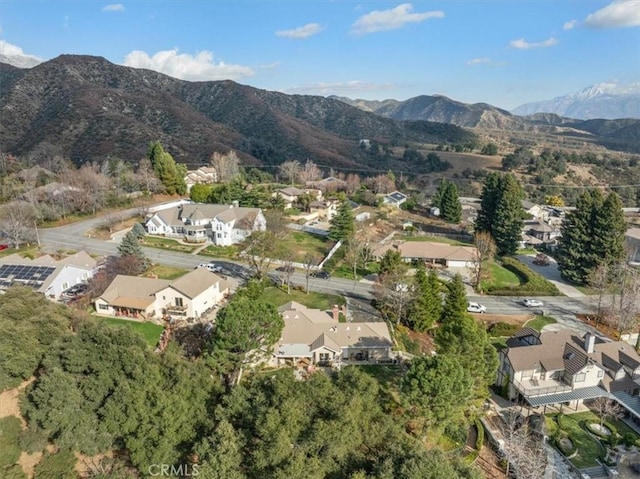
166, 243
298, 244
149, 331
315, 300
166, 272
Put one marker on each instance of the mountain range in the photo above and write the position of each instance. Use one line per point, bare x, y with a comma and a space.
89, 109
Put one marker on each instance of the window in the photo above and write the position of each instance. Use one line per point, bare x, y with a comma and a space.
179, 302
103, 306
84, 275
65, 285
600, 373
324, 356
579, 378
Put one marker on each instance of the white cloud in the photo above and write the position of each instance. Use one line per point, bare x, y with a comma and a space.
322, 88
522, 44
13, 50
485, 61
301, 32
620, 13
270, 66
380, 20
570, 25
114, 7
198, 67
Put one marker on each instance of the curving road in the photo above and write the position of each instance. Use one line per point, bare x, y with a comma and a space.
73, 236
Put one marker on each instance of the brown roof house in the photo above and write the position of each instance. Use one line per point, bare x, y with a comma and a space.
291, 195
316, 336
203, 175
223, 225
46, 274
569, 367
434, 253
189, 296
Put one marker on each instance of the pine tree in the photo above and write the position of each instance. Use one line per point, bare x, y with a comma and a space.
129, 246
170, 174
450, 206
427, 306
342, 225
501, 212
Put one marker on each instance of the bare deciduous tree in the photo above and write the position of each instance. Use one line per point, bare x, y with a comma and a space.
18, 223
259, 249
606, 409
277, 223
227, 165
310, 261
290, 170
485, 250
310, 172
600, 281
523, 448
146, 177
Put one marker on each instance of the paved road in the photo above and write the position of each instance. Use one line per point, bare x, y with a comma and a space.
72, 236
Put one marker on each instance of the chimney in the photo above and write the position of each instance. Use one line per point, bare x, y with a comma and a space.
336, 313
589, 343
235, 204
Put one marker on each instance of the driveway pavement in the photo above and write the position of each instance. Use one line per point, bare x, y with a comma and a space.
552, 273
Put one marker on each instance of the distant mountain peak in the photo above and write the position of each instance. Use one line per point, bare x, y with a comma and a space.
19, 61
608, 100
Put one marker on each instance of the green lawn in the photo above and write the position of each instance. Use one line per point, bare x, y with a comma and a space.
25, 251
166, 243
499, 277
213, 251
499, 343
344, 270
315, 300
166, 272
588, 448
150, 331
432, 239
298, 243
540, 322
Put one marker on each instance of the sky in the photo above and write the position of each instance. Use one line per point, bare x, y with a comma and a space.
501, 52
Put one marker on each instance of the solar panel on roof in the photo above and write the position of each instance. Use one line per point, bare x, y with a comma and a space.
17, 272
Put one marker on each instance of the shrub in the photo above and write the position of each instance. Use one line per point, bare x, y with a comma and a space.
57, 466
9, 449
480, 438
501, 329
32, 440
629, 439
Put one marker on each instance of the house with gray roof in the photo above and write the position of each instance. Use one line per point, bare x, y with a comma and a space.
223, 225
569, 367
318, 337
189, 296
394, 199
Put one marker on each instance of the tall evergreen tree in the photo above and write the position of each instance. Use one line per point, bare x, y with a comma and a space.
501, 212
170, 174
342, 225
449, 202
592, 235
130, 246
427, 306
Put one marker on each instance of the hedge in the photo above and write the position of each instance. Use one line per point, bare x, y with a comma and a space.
480, 438
533, 284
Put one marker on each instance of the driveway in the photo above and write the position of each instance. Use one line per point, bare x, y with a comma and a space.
552, 273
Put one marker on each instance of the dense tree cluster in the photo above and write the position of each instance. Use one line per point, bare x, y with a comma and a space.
342, 225
447, 200
592, 235
501, 212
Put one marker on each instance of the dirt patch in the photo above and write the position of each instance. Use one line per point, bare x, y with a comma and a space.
601, 326
10, 402
489, 319
28, 462
489, 462
110, 226
425, 340
88, 464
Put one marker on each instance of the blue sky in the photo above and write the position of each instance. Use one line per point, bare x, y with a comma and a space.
502, 52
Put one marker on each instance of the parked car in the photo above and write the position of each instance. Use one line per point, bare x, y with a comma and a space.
211, 267
541, 260
322, 274
3, 246
532, 303
286, 269
476, 308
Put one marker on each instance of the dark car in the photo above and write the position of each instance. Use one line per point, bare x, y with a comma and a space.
321, 274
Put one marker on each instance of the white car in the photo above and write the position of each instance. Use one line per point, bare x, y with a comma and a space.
532, 303
476, 308
211, 267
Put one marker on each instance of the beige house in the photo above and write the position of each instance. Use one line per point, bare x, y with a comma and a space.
568, 367
432, 253
318, 337
203, 175
189, 296
291, 194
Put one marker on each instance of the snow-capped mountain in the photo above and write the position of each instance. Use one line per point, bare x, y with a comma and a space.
609, 100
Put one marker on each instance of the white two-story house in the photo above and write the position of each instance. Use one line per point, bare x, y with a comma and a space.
567, 367
223, 225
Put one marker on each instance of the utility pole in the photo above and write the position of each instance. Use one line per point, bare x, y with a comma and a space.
35, 223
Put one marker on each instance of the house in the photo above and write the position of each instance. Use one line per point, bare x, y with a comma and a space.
632, 242
203, 175
223, 225
330, 183
544, 232
325, 209
318, 337
394, 199
431, 253
189, 296
568, 367
291, 195
46, 274
535, 211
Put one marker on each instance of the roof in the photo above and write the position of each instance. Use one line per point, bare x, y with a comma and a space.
633, 233
590, 392
81, 259
195, 282
396, 197
133, 291
200, 211
306, 330
291, 191
429, 250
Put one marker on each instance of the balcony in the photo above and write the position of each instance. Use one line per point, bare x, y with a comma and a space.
540, 387
174, 308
